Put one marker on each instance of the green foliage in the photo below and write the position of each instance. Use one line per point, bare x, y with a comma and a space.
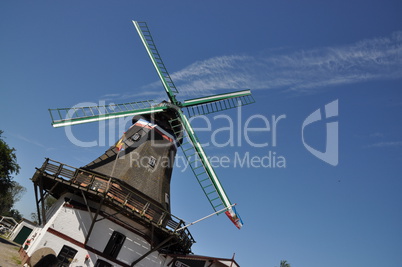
284, 264
8, 165
13, 213
8, 198
16, 260
49, 202
34, 217
10, 191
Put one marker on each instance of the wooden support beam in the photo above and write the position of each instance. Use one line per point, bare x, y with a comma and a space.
86, 203
93, 221
42, 200
152, 250
37, 204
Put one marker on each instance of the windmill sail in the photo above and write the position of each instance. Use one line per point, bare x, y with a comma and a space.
204, 172
156, 59
215, 103
78, 115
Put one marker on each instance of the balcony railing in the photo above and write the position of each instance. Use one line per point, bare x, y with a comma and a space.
117, 192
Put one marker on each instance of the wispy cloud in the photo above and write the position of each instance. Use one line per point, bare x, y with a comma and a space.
135, 96
376, 134
32, 142
386, 144
300, 71
305, 70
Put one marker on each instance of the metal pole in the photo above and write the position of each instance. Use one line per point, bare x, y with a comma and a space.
206, 217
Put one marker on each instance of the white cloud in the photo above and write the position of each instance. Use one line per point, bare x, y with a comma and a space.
305, 70
136, 96
386, 144
376, 134
31, 141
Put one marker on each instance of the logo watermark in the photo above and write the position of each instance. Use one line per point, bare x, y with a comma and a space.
234, 160
330, 155
233, 132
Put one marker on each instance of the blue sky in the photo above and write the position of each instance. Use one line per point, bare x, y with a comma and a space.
295, 56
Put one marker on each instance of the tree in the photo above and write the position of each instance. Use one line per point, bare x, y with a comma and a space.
34, 217
12, 195
14, 213
10, 191
284, 264
49, 201
8, 165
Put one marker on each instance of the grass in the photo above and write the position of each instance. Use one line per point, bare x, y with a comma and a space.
16, 260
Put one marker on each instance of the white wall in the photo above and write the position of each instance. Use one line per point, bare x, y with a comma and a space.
75, 223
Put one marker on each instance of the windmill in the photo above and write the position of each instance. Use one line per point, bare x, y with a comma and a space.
125, 192
166, 117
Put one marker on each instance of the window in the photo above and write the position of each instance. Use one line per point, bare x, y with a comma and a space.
102, 263
66, 256
114, 245
136, 137
152, 162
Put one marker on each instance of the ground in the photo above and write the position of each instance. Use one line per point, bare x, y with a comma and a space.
9, 256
